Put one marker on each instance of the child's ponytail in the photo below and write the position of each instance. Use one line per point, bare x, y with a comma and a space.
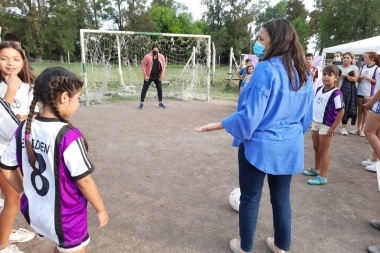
28, 142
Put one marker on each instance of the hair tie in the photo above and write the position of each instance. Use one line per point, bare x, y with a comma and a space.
27, 137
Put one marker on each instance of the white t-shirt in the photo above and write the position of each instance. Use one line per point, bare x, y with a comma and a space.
52, 203
23, 98
376, 106
366, 88
327, 105
346, 70
8, 124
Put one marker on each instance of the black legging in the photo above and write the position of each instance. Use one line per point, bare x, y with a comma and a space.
146, 87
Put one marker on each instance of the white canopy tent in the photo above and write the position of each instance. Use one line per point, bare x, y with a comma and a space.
356, 47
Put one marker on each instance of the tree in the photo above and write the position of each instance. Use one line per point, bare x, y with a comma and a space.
101, 10
344, 21
168, 20
171, 4
303, 31
242, 14
35, 15
296, 9
277, 11
214, 15
229, 23
118, 15
292, 10
62, 19
136, 16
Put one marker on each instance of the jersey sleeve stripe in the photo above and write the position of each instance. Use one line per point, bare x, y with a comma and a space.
84, 174
8, 110
5, 167
84, 153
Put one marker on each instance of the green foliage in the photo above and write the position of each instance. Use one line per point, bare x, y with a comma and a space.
296, 9
277, 11
292, 10
169, 21
303, 31
35, 33
12, 22
220, 38
101, 11
165, 18
218, 89
344, 21
62, 19
51, 27
230, 22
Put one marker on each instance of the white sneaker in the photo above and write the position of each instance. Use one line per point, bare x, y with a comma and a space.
361, 133
343, 131
20, 235
11, 249
355, 131
235, 246
371, 167
367, 162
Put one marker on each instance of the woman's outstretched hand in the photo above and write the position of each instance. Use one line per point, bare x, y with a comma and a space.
209, 127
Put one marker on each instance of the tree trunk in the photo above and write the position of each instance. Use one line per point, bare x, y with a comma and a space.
38, 57
61, 58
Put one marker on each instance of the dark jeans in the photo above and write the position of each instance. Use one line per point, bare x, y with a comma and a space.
146, 87
251, 184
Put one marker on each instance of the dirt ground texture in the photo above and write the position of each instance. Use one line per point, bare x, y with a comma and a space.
166, 187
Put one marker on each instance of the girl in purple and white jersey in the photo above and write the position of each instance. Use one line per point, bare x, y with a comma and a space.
52, 156
328, 111
15, 91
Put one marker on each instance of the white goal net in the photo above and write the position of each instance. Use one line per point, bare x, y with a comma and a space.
112, 64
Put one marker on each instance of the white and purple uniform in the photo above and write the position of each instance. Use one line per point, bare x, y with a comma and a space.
365, 87
327, 105
376, 106
8, 124
21, 103
52, 203
22, 100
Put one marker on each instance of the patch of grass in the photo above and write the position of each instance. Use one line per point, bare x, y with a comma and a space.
119, 99
225, 92
97, 77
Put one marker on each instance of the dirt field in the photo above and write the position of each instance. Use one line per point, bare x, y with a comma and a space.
166, 187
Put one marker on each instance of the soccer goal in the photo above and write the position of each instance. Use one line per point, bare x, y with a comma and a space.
111, 62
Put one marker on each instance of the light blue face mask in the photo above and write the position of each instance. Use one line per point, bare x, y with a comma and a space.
259, 50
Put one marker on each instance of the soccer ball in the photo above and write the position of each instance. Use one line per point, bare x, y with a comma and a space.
235, 199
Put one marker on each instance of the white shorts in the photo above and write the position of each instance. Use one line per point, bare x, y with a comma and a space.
73, 249
76, 248
322, 129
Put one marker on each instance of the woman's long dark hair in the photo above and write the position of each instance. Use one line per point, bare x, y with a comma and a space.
285, 43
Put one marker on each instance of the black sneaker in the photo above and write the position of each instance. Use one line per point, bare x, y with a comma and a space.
141, 106
161, 105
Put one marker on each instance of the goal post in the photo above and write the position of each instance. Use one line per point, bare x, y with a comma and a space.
111, 63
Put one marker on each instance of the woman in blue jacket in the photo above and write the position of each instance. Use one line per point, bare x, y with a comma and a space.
274, 111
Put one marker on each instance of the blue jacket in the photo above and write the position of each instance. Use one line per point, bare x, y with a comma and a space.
271, 119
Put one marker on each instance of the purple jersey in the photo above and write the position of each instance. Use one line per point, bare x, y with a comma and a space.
327, 104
